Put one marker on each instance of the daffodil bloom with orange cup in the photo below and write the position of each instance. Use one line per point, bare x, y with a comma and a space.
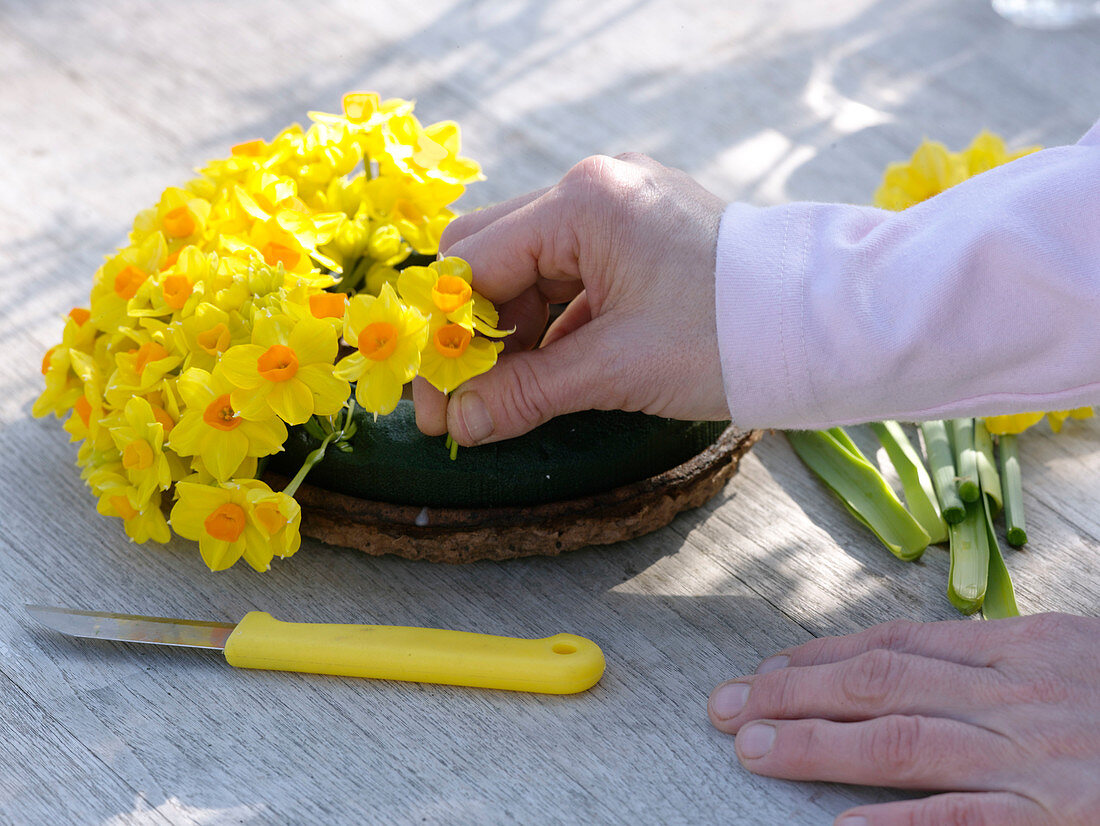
140, 440
388, 337
276, 515
288, 369
142, 519
212, 429
119, 279
180, 216
223, 520
444, 288
209, 332
454, 355
63, 383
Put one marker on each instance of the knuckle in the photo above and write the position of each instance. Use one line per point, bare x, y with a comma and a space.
600, 178
896, 634
1043, 629
776, 694
868, 680
526, 398
593, 171
893, 745
634, 158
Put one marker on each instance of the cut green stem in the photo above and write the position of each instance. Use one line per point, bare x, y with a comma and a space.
988, 477
969, 575
862, 489
941, 464
920, 494
346, 431
966, 459
1012, 487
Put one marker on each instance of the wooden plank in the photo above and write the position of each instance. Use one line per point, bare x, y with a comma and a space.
105, 104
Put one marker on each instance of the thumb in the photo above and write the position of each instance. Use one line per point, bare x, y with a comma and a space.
527, 388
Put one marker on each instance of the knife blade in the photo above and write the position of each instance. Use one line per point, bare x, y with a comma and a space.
560, 664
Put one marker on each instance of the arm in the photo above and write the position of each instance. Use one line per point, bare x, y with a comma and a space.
982, 300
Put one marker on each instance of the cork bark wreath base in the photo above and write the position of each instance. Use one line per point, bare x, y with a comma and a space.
467, 535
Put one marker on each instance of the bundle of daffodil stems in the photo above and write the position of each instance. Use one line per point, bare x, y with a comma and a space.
970, 472
251, 299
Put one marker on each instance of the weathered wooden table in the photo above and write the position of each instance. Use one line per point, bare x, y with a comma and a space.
104, 104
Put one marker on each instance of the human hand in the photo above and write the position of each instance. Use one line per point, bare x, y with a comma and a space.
1003, 716
631, 245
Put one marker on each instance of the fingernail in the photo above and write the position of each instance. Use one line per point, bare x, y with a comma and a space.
475, 416
852, 820
728, 700
756, 740
773, 664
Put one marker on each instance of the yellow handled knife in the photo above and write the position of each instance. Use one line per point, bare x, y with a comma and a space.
561, 664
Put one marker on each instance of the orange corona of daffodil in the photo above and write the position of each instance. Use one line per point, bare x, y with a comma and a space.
288, 369
388, 336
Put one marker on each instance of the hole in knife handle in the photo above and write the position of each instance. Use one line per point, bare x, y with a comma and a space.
565, 648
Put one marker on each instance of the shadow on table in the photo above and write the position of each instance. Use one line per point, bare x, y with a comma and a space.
793, 105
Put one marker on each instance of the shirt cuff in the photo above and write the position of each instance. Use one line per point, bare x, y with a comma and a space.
759, 285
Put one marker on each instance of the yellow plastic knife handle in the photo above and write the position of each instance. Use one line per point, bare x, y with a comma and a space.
562, 664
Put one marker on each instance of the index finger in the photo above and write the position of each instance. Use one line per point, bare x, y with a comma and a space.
471, 222
963, 642
525, 246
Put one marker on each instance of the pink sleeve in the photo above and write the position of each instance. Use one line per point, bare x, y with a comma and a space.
982, 300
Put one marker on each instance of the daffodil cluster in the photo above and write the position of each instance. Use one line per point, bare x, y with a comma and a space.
932, 169
218, 324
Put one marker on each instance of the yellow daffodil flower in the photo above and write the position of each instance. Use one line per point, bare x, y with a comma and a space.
443, 289
177, 289
276, 516
141, 369
222, 519
930, 171
987, 151
212, 430
389, 337
288, 369
64, 386
275, 245
119, 279
454, 355
208, 333
142, 519
140, 439
180, 217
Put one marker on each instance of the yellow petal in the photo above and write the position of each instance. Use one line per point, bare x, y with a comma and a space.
291, 400
238, 365
378, 392
313, 340
1015, 423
